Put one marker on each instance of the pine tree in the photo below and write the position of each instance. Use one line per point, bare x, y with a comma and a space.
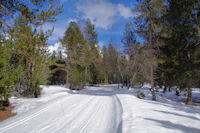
110, 66
93, 57
29, 9
129, 40
58, 69
149, 11
9, 72
75, 44
33, 59
26, 46
180, 52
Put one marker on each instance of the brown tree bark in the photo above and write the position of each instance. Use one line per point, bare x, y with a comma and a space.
150, 39
152, 66
152, 83
189, 97
67, 78
86, 74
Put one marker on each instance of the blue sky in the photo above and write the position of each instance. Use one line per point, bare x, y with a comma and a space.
109, 17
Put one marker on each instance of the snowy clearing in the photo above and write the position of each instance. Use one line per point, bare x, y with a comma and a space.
103, 109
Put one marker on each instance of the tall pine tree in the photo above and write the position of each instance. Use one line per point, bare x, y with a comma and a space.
93, 58
180, 53
75, 44
146, 27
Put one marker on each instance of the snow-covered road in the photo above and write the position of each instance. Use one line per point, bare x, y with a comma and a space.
102, 109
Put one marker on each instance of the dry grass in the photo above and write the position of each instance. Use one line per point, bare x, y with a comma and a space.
4, 114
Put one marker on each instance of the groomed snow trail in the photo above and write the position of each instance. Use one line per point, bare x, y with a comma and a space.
103, 109
87, 111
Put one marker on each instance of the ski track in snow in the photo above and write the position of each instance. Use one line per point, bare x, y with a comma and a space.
87, 112
103, 109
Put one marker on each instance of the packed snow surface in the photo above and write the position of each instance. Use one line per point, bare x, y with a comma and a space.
103, 109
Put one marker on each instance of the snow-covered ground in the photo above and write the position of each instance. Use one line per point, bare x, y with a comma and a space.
103, 109
50, 93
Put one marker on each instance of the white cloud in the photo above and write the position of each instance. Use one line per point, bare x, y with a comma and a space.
124, 11
57, 47
72, 20
103, 14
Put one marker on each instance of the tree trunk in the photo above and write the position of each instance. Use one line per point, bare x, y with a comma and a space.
85, 74
177, 91
165, 88
33, 86
152, 67
169, 89
138, 92
152, 83
150, 28
67, 77
189, 97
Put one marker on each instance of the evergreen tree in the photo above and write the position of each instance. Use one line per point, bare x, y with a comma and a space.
33, 59
180, 53
26, 56
9, 72
30, 9
146, 26
129, 40
58, 69
110, 66
92, 53
75, 44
